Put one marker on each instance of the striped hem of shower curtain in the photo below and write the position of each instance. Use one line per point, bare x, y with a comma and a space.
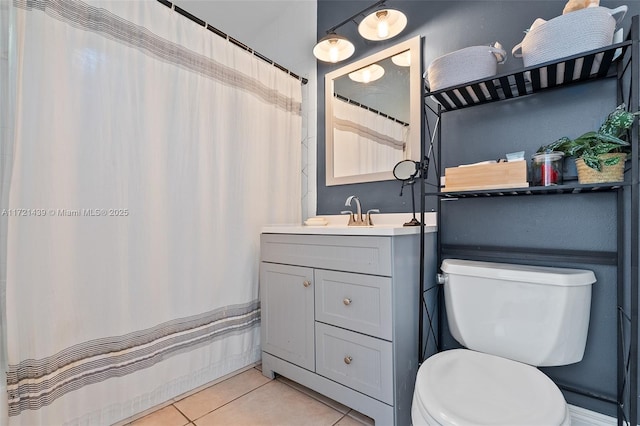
33, 384
100, 21
366, 132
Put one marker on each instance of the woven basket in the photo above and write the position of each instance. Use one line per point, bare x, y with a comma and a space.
464, 65
569, 34
613, 173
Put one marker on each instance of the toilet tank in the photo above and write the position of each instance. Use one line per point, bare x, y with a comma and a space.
532, 314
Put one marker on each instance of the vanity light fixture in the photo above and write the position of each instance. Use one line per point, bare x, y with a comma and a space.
381, 24
333, 48
367, 74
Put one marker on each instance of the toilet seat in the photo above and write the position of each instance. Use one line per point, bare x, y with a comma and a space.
465, 387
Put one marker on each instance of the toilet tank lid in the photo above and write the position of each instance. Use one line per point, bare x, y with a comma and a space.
545, 275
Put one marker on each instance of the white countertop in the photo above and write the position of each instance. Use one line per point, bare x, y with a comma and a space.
389, 224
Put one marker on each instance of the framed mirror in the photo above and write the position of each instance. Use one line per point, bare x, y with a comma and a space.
373, 115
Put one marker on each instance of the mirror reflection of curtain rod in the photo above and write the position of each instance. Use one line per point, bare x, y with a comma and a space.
375, 111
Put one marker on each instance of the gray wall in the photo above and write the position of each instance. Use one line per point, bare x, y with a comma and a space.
580, 222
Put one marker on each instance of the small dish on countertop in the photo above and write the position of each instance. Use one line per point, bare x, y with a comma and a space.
316, 221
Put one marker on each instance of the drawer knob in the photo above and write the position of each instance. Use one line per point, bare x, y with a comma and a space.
306, 283
346, 301
347, 360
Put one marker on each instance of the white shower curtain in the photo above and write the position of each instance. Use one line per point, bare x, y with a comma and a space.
365, 141
143, 155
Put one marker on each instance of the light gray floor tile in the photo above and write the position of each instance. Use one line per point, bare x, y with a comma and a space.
167, 416
273, 404
211, 398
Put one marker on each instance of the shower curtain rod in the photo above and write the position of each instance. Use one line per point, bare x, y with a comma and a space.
229, 38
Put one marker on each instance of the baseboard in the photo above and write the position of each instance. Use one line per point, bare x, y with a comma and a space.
583, 417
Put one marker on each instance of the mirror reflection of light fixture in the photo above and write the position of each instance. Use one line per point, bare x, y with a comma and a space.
367, 74
333, 48
402, 59
381, 24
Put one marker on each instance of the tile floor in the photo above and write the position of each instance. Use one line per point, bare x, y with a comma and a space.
248, 399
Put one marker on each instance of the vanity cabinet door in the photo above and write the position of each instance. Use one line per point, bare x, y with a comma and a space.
286, 299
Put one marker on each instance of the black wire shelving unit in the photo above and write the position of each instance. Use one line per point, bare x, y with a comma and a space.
620, 61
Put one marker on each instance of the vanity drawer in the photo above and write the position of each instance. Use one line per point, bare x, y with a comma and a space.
369, 255
360, 362
354, 301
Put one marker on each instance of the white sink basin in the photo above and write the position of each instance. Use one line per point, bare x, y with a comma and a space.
384, 224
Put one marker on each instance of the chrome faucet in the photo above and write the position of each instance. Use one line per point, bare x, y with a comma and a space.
357, 219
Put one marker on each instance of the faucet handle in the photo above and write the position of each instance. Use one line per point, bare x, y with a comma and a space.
369, 221
350, 213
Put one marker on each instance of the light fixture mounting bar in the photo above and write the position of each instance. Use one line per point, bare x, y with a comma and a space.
351, 18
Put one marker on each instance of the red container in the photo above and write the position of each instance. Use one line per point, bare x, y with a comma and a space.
546, 169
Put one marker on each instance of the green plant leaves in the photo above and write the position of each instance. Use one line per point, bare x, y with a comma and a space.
607, 139
617, 122
559, 145
611, 161
592, 161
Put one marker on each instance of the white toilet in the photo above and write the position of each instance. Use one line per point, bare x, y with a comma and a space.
511, 318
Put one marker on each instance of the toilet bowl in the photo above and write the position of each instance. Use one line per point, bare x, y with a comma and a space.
465, 387
509, 319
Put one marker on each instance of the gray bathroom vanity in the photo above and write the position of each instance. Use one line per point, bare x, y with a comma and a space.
340, 313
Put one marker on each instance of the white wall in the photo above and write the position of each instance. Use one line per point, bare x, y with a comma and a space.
285, 32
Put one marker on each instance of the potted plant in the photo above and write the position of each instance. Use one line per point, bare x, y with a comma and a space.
599, 155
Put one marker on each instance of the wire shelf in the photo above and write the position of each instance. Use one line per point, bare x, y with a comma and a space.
590, 65
534, 190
